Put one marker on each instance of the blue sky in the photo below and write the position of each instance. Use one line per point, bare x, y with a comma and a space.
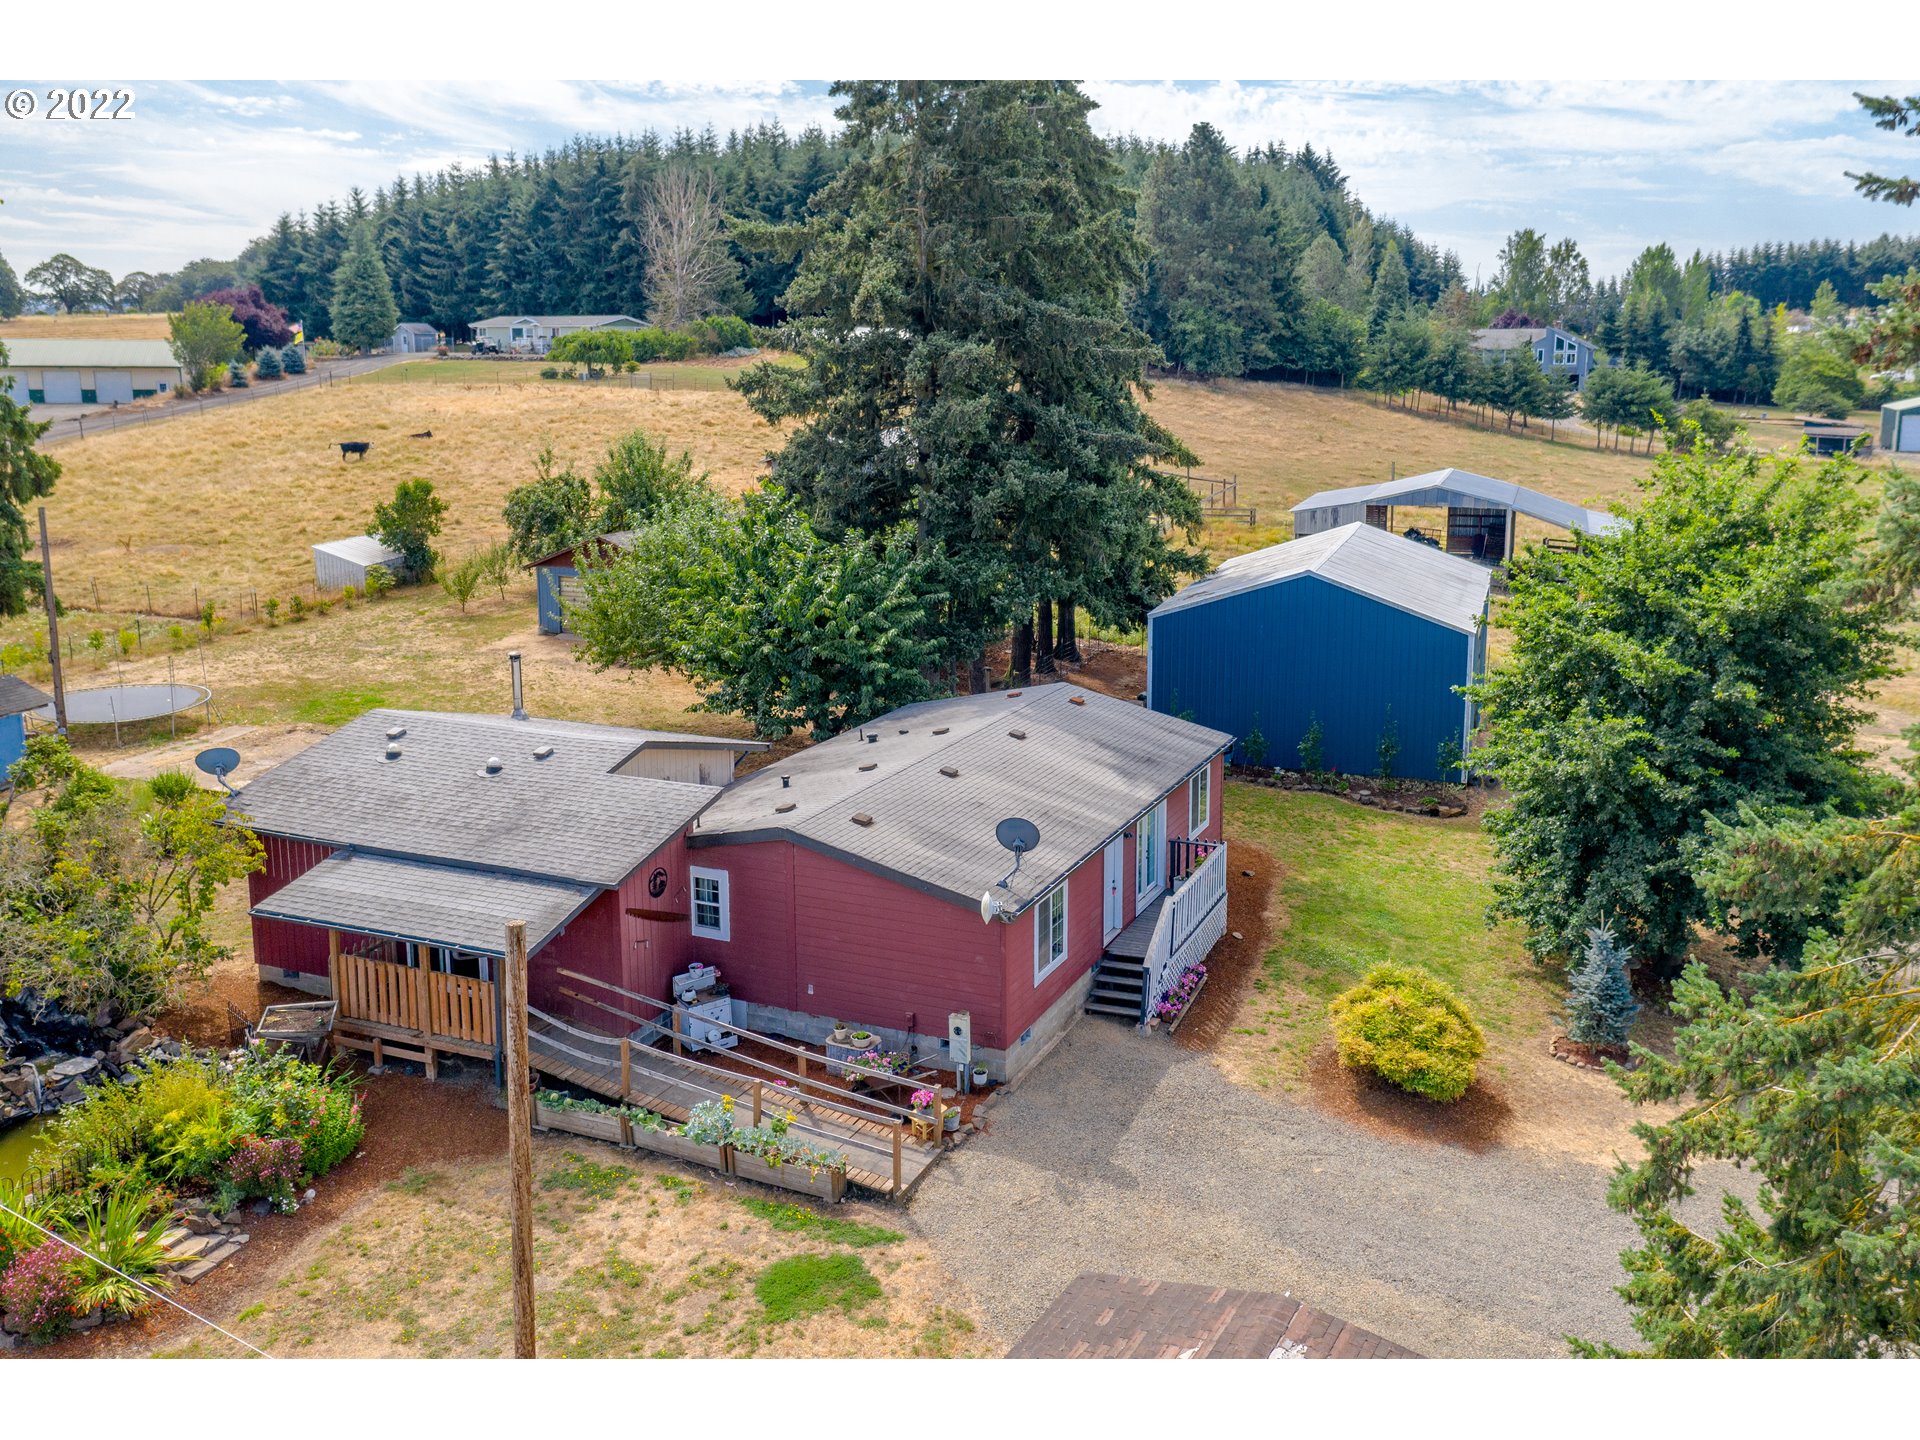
204, 167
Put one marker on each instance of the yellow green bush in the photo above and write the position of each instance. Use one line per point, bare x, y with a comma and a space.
1408, 1028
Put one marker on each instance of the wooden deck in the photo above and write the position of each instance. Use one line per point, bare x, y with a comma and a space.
670, 1085
1132, 942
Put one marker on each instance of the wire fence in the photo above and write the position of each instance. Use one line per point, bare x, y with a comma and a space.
96, 422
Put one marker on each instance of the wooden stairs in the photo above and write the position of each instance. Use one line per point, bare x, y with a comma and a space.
1120, 979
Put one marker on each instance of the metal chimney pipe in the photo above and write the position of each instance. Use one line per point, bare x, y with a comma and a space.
519, 699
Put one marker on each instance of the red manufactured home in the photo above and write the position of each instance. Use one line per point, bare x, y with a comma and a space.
857, 880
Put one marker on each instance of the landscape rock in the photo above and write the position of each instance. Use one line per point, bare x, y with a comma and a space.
136, 1040
198, 1224
178, 1235
232, 1217
193, 1247
195, 1272
75, 1069
87, 1321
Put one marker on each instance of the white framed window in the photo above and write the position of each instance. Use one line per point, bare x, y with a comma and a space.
1199, 801
1050, 932
1149, 869
710, 909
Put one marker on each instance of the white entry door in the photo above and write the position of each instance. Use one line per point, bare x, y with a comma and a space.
1116, 868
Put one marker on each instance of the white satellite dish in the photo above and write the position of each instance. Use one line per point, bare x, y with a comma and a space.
989, 906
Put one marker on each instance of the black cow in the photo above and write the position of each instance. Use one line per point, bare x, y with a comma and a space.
355, 448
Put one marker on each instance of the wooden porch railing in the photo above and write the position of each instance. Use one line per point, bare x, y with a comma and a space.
411, 998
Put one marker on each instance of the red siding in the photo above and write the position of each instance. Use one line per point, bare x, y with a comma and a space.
1027, 1002
609, 941
280, 943
759, 961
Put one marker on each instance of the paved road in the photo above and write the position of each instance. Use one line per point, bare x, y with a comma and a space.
96, 420
1123, 1153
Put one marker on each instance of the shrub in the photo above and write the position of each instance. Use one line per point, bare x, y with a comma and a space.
326, 349
349, 594
296, 608
1253, 746
379, 581
1313, 747
41, 1288
548, 372
459, 581
1388, 750
1410, 1029
19, 1216
177, 636
272, 609
267, 364
294, 360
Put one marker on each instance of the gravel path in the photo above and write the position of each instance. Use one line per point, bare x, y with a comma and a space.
1125, 1154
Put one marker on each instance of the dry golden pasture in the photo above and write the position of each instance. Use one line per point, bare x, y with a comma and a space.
85, 327
234, 498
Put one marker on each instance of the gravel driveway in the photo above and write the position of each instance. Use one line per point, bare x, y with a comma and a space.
1123, 1153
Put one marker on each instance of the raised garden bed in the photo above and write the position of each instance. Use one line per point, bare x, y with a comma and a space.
826, 1184
595, 1125
678, 1147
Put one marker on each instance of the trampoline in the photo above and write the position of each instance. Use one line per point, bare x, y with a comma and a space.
123, 704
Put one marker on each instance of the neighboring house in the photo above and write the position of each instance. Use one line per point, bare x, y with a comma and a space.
89, 372
1559, 352
535, 334
556, 579
1480, 511
16, 699
340, 563
1900, 426
844, 882
860, 878
410, 337
415, 836
1836, 437
1352, 630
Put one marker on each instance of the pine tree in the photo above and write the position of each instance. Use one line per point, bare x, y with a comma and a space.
363, 312
1391, 295
1600, 1003
25, 474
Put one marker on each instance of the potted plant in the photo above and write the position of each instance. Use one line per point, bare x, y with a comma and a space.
841, 1035
979, 1074
923, 1121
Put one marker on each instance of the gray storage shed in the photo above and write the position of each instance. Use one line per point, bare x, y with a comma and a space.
1480, 511
1900, 426
340, 563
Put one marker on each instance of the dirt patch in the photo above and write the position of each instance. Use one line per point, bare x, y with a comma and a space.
1116, 670
411, 1124
1237, 960
1589, 1057
1478, 1121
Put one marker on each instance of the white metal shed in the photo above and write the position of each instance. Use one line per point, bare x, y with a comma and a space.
340, 563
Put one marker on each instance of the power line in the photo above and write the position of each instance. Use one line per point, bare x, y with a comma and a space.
158, 1295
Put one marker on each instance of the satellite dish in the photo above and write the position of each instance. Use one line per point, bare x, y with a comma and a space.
1019, 836
219, 762
989, 906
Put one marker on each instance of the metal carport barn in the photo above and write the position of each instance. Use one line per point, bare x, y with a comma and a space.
1480, 510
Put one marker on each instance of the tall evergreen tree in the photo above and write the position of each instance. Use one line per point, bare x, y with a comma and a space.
969, 363
25, 476
363, 312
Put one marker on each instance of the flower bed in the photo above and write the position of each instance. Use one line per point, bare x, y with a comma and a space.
195, 1133
1180, 996
768, 1152
594, 1119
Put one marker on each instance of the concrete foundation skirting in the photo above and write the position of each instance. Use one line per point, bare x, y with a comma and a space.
297, 980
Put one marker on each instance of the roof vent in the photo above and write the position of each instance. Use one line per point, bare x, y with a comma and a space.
396, 732
783, 809
903, 729
1076, 700
870, 765
863, 819
1015, 694
1018, 734
941, 731
543, 752
393, 750
493, 766
874, 739
786, 782
950, 772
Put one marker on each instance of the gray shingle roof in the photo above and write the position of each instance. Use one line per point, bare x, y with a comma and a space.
16, 695
1454, 487
415, 327
1389, 568
590, 322
1508, 339
565, 817
426, 904
1083, 773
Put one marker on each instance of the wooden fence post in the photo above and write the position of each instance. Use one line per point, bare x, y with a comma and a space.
626, 1067
676, 1031
333, 964
757, 1087
899, 1130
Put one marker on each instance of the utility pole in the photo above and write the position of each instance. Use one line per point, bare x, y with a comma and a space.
519, 1139
53, 628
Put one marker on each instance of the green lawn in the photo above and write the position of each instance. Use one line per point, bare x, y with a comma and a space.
1357, 886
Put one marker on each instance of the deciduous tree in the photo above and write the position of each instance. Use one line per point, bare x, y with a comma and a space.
205, 338
409, 522
71, 284
688, 267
